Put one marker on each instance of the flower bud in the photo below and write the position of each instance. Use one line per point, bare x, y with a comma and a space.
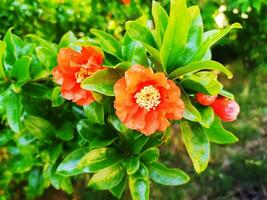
226, 109
205, 99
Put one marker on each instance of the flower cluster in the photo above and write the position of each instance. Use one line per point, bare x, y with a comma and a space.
144, 101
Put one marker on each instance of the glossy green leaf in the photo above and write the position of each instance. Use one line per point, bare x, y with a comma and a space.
65, 132
68, 167
21, 70
102, 81
197, 144
22, 165
98, 159
139, 184
10, 53
217, 134
14, 108
198, 66
150, 155
2, 51
95, 113
107, 178
190, 113
97, 135
56, 98
160, 18
67, 39
108, 43
194, 36
227, 94
43, 42
205, 82
166, 176
132, 164
176, 34
140, 33
133, 51
210, 38
47, 57
207, 115
118, 190
39, 127
35, 90
117, 124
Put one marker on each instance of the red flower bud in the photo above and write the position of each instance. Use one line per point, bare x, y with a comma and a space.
205, 99
226, 109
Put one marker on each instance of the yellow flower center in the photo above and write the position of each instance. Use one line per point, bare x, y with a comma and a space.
82, 74
148, 97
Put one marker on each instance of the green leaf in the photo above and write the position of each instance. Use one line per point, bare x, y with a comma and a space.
166, 176
35, 90
102, 81
21, 70
161, 21
10, 53
107, 178
190, 113
14, 107
198, 66
217, 134
139, 184
47, 57
197, 144
133, 51
97, 135
205, 82
98, 159
140, 33
43, 42
66, 40
95, 113
207, 115
2, 51
65, 132
108, 43
210, 38
176, 34
227, 94
150, 155
118, 190
132, 164
117, 124
194, 36
22, 165
39, 127
68, 166
56, 98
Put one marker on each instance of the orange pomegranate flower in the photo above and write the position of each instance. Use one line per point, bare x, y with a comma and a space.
146, 101
73, 67
126, 2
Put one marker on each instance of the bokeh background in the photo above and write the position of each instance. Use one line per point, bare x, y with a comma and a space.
236, 171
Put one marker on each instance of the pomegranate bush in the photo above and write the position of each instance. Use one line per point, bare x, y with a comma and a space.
102, 107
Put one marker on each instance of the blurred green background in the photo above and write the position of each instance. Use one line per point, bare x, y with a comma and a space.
236, 171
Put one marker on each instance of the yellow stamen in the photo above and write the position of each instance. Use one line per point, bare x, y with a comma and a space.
82, 74
148, 98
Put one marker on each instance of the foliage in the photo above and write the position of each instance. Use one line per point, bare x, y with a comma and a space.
46, 140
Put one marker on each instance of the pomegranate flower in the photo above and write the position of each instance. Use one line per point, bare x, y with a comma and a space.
226, 109
204, 99
73, 67
146, 101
